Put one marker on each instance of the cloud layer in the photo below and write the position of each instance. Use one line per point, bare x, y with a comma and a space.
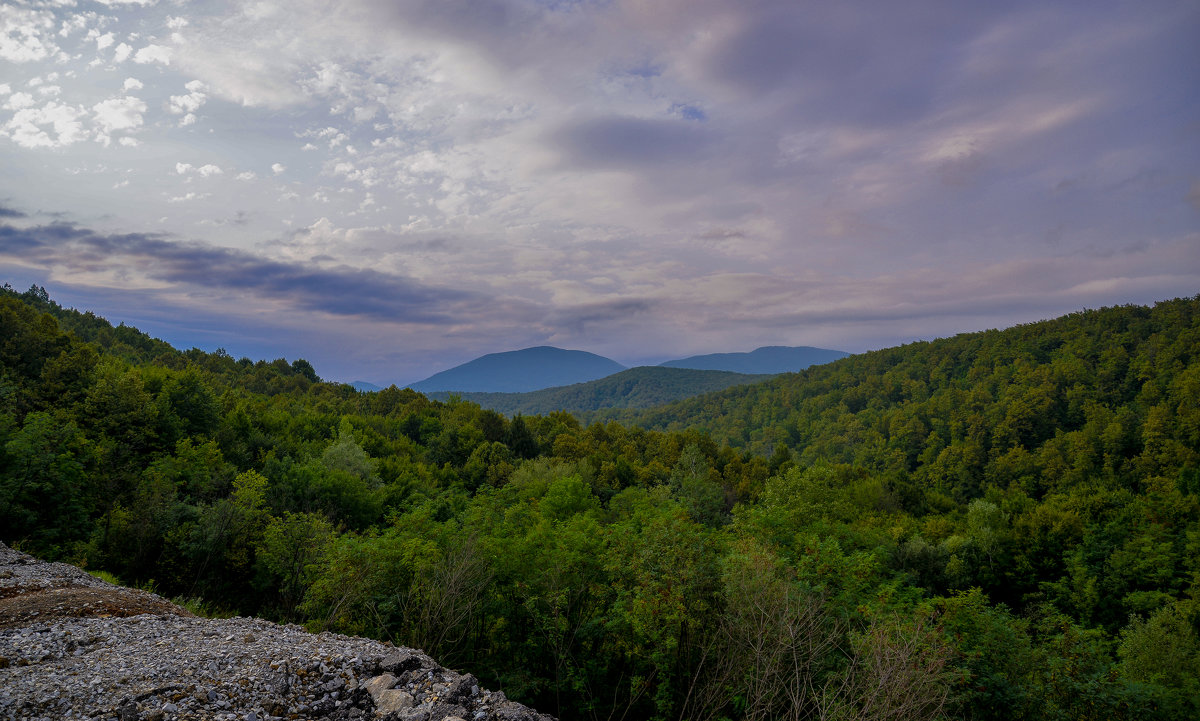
643, 179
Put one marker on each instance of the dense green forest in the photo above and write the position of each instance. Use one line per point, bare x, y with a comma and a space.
641, 387
999, 525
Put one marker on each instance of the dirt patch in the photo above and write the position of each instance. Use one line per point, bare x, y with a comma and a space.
43, 605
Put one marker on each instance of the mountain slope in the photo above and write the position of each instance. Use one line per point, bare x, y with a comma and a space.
766, 360
977, 403
640, 387
519, 371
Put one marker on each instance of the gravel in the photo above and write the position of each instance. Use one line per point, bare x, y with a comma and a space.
113, 660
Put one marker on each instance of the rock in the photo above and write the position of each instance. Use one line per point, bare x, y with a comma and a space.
391, 700
460, 688
406, 659
167, 664
444, 711
379, 684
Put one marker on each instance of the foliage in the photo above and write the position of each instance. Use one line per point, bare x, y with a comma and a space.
996, 525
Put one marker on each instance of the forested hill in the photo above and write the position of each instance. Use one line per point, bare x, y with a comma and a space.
1110, 391
132, 346
640, 387
1001, 525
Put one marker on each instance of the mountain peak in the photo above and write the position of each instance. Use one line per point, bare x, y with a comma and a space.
518, 371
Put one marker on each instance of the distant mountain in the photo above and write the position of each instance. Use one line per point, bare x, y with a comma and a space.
365, 386
519, 371
642, 387
768, 359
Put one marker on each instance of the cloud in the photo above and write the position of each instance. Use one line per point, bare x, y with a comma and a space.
121, 53
624, 142
581, 318
25, 34
16, 101
188, 104
124, 113
54, 125
278, 168
68, 250
153, 54
187, 197
132, 84
10, 213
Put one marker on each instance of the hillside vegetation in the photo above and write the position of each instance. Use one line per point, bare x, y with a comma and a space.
1001, 525
641, 387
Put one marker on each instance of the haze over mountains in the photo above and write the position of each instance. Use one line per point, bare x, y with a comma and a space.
545, 367
529, 369
768, 359
635, 388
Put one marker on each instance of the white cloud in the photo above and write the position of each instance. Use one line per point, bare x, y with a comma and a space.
175, 23
278, 168
5, 89
74, 24
190, 103
189, 119
247, 175
118, 3
20, 100
53, 125
129, 142
124, 113
204, 171
153, 54
187, 196
25, 34
133, 84
121, 53
105, 40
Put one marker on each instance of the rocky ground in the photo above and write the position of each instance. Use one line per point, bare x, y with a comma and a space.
75, 647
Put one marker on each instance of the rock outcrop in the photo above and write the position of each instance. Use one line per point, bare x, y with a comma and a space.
75, 647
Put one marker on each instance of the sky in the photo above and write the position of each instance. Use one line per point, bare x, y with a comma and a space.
388, 188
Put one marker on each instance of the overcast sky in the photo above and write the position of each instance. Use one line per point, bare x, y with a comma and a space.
388, 187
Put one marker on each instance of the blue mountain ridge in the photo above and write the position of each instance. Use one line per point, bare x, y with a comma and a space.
768, 359
518, 371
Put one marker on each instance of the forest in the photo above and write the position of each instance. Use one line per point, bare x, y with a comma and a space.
641, 387
997, 525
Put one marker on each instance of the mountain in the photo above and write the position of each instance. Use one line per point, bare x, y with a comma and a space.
365, 387
987, 397
641, 387
518, 371
766, 360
